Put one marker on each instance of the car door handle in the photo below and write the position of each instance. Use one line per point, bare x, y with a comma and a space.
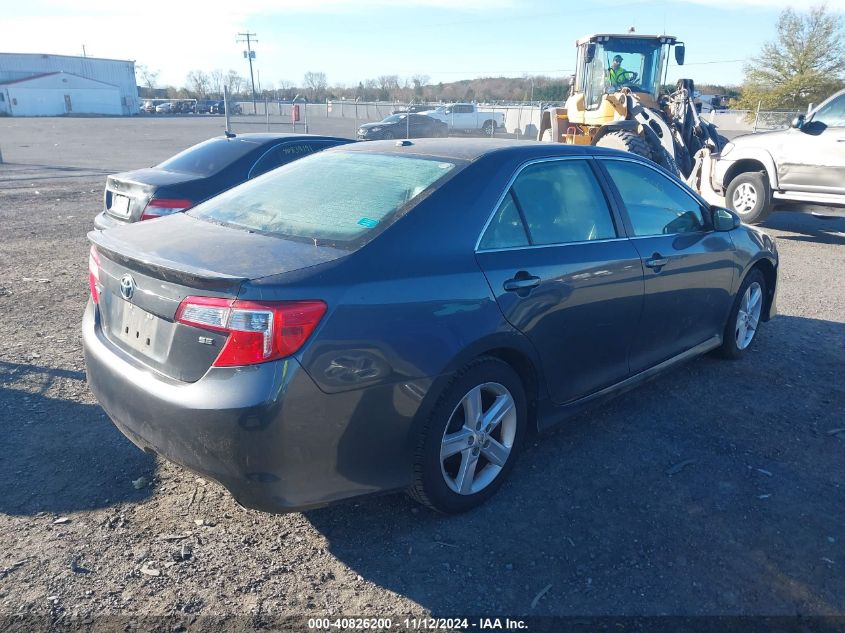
657, 261
521, 283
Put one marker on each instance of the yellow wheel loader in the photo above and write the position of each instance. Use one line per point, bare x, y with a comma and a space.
616, 101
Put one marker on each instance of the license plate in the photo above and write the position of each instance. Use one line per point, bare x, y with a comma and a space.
119, 205
135, 327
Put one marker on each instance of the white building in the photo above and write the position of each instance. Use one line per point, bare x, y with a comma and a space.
50, 85
55, 94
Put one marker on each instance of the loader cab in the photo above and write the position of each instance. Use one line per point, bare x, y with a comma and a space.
642, 69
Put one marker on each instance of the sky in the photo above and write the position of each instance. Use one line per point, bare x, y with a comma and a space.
353, 40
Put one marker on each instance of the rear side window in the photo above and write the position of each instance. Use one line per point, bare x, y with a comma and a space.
506, 229
208, 157
655, 204
328, 197
559, 202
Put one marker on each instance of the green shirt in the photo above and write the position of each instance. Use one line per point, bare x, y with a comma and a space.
617, 77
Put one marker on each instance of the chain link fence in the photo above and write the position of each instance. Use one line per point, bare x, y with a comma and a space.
521, 120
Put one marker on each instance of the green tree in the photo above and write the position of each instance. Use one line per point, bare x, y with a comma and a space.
804, 65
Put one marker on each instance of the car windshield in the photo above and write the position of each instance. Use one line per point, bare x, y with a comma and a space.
394, 118
336, 198
208, 157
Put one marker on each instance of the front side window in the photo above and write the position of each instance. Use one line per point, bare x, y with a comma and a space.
332, 197
655, 204
832, 114
560, 202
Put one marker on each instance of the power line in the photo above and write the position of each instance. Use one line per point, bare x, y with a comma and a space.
249, 55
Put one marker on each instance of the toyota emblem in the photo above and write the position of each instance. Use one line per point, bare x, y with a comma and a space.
127, 287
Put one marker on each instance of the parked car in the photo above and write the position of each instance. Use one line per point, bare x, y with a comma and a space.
218, 108
384, 316
466, 117
148, 106
186, 107
204, 106
805, 163
414, 108
403, 126
200, 172
164, 108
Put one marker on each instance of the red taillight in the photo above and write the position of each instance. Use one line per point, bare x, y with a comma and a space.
94, 273
258, 331
158, 207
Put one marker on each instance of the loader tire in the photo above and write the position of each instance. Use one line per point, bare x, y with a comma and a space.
626, 141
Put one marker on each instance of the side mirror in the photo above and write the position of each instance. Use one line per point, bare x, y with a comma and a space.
724, 219
797, 122
680, 52
590, 53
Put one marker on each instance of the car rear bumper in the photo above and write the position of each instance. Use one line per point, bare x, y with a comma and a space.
103, 221
265, 432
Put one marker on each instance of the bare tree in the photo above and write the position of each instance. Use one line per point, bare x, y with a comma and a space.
419, 81
388, 85
215, 78
315, 83
199, 83
148, 77
233, 82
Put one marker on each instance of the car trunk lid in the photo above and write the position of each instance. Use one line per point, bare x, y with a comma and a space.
146, 270
128, 194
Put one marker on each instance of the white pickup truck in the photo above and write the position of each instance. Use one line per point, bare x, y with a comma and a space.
466, 117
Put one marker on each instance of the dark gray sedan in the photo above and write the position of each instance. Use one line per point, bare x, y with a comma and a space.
201, 172
396, 315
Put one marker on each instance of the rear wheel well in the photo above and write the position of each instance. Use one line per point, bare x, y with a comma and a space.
767, 268
524, 367
741, 167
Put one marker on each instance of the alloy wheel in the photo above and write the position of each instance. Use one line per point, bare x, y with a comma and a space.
748, 316
478, 439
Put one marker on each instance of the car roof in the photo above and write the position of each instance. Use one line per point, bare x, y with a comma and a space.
263, 137
471, 149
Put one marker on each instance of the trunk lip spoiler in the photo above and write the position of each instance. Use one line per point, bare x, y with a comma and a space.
121, 252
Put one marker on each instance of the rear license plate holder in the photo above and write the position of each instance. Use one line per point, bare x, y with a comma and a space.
119, 205
135, 327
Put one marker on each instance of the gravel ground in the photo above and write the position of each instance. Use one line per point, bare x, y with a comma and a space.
715, 489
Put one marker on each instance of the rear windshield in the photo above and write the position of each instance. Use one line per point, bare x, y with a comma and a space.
337, 198
208, 157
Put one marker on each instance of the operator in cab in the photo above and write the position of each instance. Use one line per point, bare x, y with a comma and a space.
616, 75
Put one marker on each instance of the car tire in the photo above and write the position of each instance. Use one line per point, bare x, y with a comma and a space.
460, 463
747, 310
627, 142
489, 128
388, 136
750, 196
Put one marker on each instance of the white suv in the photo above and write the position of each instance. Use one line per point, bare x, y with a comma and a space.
804, 163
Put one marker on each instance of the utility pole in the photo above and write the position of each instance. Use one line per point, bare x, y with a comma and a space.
250, 55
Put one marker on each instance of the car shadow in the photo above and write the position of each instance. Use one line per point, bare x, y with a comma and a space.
711, 489
821, 225
60, 455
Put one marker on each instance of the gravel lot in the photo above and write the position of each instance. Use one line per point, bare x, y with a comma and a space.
716, 489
